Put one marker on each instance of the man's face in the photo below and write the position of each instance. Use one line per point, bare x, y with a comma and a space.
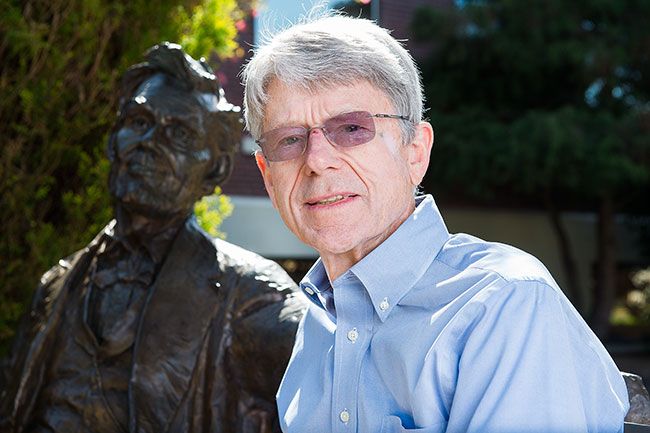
341, 201
160, 157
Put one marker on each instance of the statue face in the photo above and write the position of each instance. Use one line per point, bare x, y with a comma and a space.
161, 159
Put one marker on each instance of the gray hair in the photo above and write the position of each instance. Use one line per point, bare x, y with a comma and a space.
330, 51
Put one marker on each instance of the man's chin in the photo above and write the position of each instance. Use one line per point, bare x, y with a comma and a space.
331, 241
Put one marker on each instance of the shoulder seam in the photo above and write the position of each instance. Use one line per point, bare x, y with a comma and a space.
492, 271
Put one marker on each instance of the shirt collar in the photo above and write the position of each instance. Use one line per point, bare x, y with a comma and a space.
316, 281
389, 271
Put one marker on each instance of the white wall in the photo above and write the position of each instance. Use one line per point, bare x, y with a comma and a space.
257, 226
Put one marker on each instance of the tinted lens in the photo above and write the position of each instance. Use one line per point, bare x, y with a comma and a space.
345, 130
283, 144
350, 129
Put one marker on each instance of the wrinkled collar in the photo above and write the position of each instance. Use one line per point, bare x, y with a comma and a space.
389, 271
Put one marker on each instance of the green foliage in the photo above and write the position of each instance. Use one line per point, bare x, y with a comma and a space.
210, 28
60, 65
578, 153
543, 103
211, 210
539, 96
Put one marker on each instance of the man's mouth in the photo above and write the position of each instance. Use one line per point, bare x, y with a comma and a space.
331, 200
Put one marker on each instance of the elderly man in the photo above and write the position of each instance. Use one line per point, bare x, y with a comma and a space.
410, 328
156, 327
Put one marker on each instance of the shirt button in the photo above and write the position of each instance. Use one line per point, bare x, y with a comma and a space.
384, 305
344, 416
309, 290
353, 335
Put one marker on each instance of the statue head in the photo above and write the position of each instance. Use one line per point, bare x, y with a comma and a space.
175, 136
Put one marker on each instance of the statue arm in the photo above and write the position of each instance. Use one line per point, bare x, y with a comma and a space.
21, 377
24, 371
264, 324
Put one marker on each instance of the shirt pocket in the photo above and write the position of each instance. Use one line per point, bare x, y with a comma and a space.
393, 424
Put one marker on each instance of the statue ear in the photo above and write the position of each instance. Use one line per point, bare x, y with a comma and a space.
222, 168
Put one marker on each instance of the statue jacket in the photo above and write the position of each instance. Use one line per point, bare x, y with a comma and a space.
213, 339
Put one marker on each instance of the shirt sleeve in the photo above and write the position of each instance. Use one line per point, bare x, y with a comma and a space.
529, 363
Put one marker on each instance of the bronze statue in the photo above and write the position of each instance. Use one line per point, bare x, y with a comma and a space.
155, 326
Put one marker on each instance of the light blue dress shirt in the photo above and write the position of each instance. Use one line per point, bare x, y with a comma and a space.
433, 332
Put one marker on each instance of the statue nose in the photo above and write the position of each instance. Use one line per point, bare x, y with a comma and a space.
125, 144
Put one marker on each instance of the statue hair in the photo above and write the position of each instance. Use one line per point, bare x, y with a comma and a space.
334, 50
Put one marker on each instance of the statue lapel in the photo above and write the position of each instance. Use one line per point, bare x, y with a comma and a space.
173, 331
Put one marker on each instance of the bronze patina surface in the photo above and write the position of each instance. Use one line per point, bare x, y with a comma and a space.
155, 326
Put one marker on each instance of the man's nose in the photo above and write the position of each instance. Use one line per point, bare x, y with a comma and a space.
321, 154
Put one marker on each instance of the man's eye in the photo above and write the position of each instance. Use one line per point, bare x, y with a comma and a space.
351, 128
293, 140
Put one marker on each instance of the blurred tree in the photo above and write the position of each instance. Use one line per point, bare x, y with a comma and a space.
545, 101
60, 62
634, 309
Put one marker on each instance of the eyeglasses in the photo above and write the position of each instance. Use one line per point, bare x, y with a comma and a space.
344, 130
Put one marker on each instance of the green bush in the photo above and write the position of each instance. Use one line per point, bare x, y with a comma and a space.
60, 62
211, 210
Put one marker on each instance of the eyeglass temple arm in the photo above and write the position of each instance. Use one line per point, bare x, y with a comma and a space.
391, 116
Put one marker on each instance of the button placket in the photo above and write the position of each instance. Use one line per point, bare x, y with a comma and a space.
354, 309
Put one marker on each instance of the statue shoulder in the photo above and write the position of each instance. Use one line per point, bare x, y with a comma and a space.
51, 282
257, 285
234, 259
250, 265
47, 288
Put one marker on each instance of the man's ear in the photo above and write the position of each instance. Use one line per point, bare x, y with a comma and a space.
222, 169
263, 166
419, 152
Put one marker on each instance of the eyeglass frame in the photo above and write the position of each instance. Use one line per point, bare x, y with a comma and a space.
261, 140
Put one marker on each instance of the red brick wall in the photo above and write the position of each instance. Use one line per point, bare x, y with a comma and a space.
228, 70
245, 178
